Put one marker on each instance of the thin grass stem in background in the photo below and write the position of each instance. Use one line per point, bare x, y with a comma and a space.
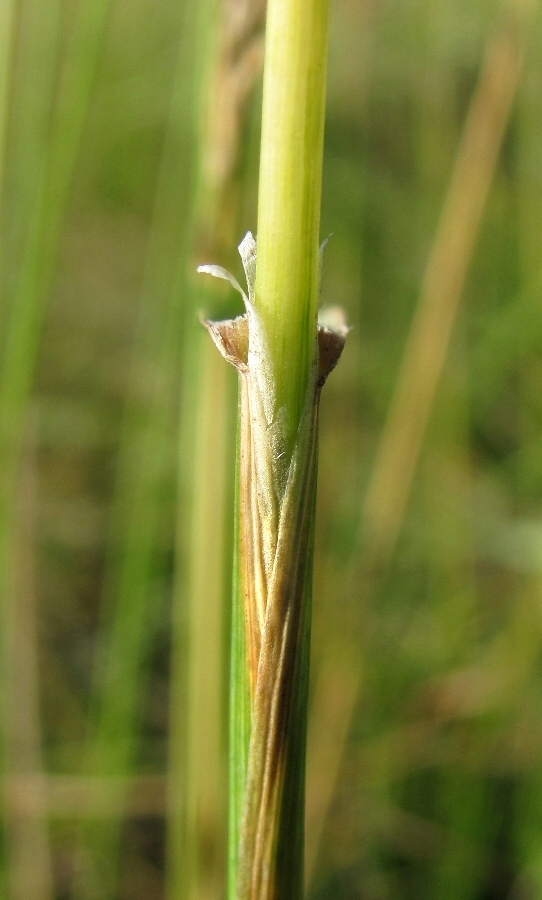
428, 342
522, 337
7, 20
442, 288
196, 835
33, 279
196, 779
37, 68
39, 257
29, 862
7, 33
145, 457
33, 97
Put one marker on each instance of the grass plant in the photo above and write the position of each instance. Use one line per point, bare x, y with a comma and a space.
282, 364
424, 740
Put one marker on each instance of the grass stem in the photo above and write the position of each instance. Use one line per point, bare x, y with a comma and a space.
283, 361
287, 272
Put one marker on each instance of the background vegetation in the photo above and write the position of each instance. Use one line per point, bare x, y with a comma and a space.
129, 140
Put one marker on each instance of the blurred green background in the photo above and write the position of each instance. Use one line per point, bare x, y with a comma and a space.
129, 140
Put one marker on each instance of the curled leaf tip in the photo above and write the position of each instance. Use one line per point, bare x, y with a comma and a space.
220, 272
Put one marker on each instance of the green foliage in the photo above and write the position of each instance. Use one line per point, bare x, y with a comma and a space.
425, 746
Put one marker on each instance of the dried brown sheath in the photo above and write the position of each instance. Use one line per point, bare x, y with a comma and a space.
276, 507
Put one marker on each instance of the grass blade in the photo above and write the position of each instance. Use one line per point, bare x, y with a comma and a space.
146, 447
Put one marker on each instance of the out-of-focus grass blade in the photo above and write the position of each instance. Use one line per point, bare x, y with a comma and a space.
196, 778
30, 864
145, 452
41, 243
441, 291
7, 19
50, 175
523, 352
197, 770
32, 103
428, 341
